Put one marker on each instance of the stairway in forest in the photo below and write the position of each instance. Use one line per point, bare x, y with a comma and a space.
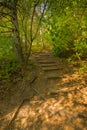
49, 109
50, 70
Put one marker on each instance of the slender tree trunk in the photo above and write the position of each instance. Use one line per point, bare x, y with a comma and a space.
16, 36
41, 38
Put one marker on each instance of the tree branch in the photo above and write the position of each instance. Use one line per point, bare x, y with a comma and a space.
39, 23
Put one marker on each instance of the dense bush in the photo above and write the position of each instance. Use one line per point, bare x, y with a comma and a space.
68, 34
7, 57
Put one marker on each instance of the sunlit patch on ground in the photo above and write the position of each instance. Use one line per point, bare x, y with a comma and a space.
4, 120
64, 109
59, 112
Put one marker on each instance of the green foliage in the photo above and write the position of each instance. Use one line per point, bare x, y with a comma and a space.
61, 36
68, 32
6, 48
7, 68
81, 48
36, 47
8, 62
82, 68
7, 57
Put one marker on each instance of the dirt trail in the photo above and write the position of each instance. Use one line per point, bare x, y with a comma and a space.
51, 71
56, 100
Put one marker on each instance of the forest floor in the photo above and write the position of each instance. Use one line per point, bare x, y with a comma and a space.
54, 98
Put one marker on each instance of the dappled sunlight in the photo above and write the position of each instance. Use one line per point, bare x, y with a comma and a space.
5, 119
57, 112
72, 79
56, 103
70, 82
65, 109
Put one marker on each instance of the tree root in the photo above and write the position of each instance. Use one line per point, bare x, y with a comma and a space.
9, 127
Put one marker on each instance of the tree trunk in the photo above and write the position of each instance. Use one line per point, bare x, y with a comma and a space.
16, 36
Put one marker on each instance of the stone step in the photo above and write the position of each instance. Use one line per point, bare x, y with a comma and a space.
46, 62
41, 59
45, 58
53, 77
48, 65
45, 53
52, 60
50, 69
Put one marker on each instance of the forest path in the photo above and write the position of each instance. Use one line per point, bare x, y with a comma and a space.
51, 71
56, 100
